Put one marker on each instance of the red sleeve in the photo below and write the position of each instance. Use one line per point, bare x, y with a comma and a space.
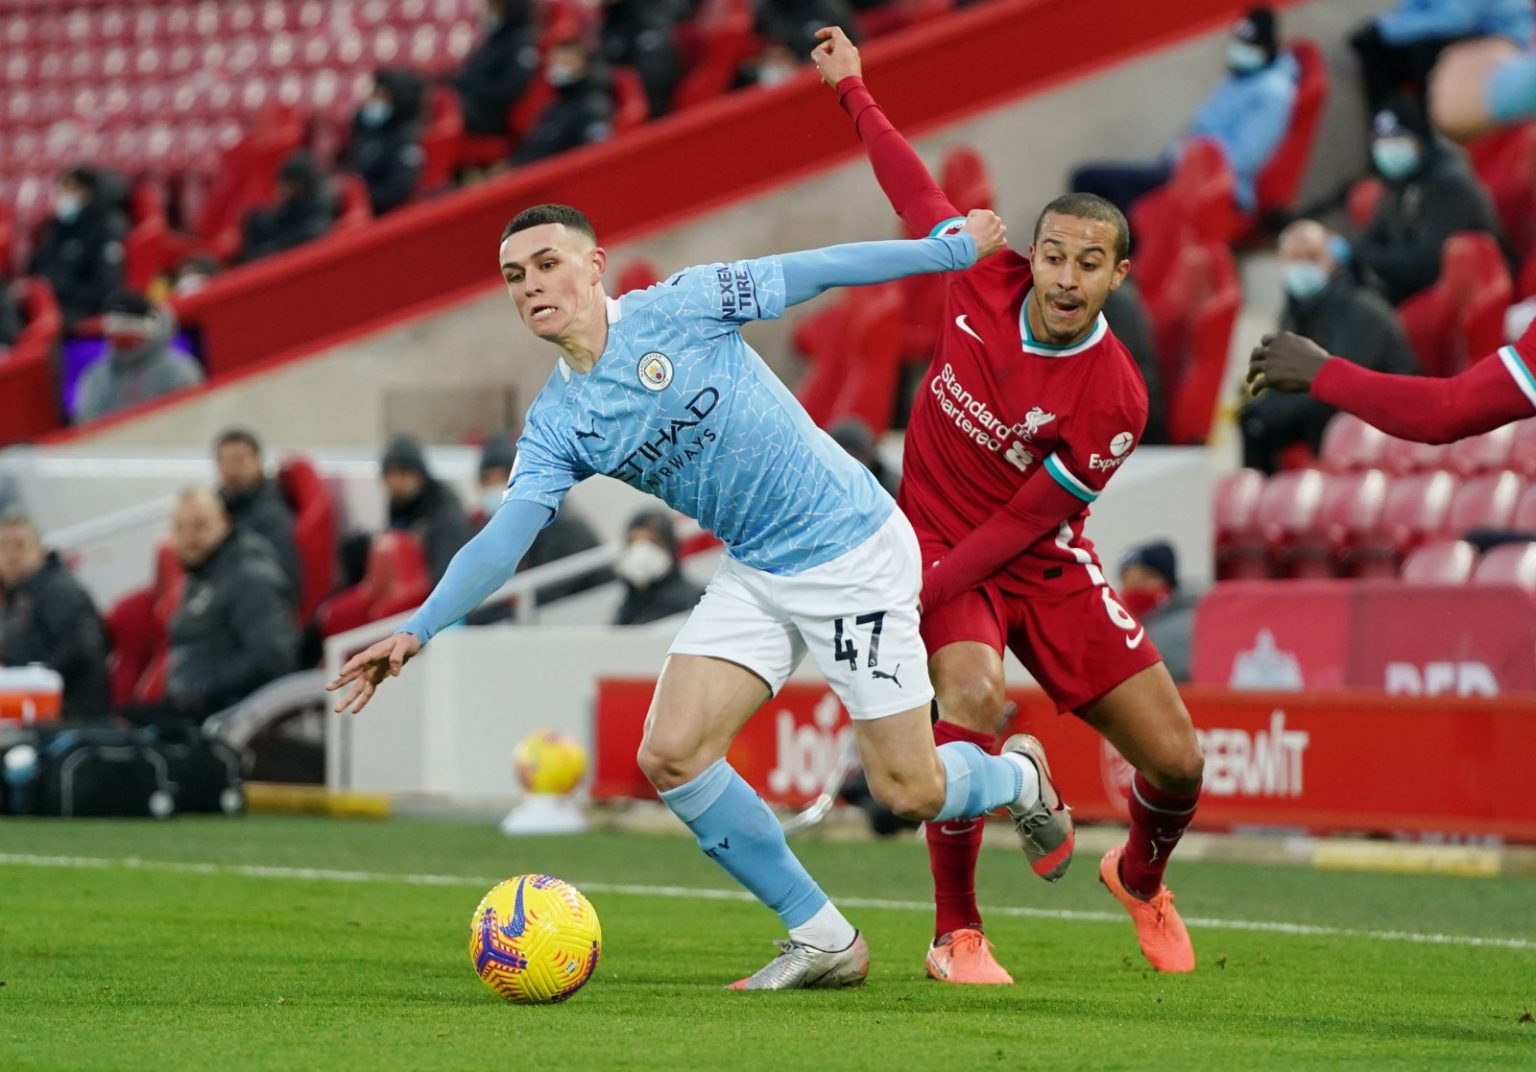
909, 187
1036, 510
1493, 392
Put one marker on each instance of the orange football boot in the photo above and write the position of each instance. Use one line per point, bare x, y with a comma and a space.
1159, 930
965, 956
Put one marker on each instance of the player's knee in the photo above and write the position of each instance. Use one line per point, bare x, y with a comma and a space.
913, 798
667, 766
1180, 771
974, 701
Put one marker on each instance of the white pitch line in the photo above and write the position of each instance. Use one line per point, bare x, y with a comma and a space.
312, 874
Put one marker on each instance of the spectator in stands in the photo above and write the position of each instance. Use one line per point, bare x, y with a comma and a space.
47, 617
773, 66
80, 252
1149, 588
140, 363
1247, 115
566, 534
192, 274
385, 146
1325, 303
582, 111
1430, 194
253, 501
1132, 324
422, 505
1399, 48
653, 579
304, 211
856, 437
643, 34
11, 321
795, 22
234, 630
497, 72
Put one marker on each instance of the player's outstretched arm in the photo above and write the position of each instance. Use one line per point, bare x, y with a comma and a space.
480, 567
809, 272
1492, 393
912, 191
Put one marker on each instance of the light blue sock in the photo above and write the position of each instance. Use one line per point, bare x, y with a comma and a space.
975, 782
736, 830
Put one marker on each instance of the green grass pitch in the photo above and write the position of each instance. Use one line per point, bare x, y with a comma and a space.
216, 951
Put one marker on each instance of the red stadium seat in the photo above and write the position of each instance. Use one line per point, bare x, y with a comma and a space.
1349, 444
136, 636
1240, 554
1524, 517
1441, 562
439, 141
1484, 453
725, 40
638, 274
353, 211
631, 108
1195, 207
1193, 321
395, 580
1461, 318
1522, 450
1350, 506
29, 402
1415, 508
314, 531
1286, 508
1506, 162
1508, 564
1483, 502
1277, 184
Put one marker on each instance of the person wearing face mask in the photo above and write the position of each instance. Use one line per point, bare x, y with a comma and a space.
567, 534
1325, 303
582, 111
795, 22
643, 34
385, 145
1430, 194
654, 583
140, 363
1149, 588
771, 67
1247, 115
303, 212
500, 68
80, 252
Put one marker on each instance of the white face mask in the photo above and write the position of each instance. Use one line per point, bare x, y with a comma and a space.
491, 499
642, 563
776, 74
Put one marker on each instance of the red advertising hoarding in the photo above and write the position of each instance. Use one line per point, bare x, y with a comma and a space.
1337, 761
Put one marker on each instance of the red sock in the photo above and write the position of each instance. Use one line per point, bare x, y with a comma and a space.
953, 846
1158, 820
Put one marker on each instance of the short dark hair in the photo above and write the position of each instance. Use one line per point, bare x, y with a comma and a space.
238, 435
1090, 207
538, 215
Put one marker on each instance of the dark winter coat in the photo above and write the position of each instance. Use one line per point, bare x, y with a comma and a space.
304, 217
82, 260
580, 114
672, 594
50, 619
497, 72
265, 512
438, 521
388, 157
1403, 243
234, 630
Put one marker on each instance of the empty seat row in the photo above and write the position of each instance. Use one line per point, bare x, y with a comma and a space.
1351, 445
1310, 523
1458, 562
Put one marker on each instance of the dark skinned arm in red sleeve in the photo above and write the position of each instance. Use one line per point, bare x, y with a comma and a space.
1430, 410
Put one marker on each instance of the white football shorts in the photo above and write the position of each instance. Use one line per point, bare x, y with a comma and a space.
856, 615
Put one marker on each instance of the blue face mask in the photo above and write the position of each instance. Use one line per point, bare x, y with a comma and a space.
67, 207
375, 112
1303, 280
1395, 158
1244, 58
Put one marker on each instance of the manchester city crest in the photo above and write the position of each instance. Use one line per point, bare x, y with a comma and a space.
655, 371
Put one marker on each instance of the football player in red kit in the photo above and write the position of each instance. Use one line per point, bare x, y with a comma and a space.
1422, 409
1029, 407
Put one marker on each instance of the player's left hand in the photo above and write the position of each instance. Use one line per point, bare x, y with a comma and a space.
1284, 362
836, 57
987, 230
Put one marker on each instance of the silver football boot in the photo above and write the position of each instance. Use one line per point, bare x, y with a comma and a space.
1044, 827
803, 967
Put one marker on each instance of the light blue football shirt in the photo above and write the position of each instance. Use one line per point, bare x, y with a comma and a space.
679, 406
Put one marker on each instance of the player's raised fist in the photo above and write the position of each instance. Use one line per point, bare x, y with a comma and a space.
836, 57
1284, 362
986, 230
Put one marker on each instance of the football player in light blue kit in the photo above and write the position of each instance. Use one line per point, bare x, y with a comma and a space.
658, 389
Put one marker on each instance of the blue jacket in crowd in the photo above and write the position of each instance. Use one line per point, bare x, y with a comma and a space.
1419, 20
1248, 114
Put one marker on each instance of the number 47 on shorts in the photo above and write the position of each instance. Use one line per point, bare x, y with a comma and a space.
843, 646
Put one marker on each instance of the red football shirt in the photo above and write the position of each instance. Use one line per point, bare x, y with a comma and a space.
996, 406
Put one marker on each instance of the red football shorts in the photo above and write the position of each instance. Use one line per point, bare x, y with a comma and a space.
1078, 645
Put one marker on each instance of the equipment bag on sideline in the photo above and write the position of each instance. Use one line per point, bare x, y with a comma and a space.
90, 771
205, 772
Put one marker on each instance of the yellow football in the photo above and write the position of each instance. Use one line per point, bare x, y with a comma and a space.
534, 940
549, 762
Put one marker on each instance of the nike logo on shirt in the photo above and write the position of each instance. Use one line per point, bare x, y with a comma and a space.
1135, 642
963, 326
